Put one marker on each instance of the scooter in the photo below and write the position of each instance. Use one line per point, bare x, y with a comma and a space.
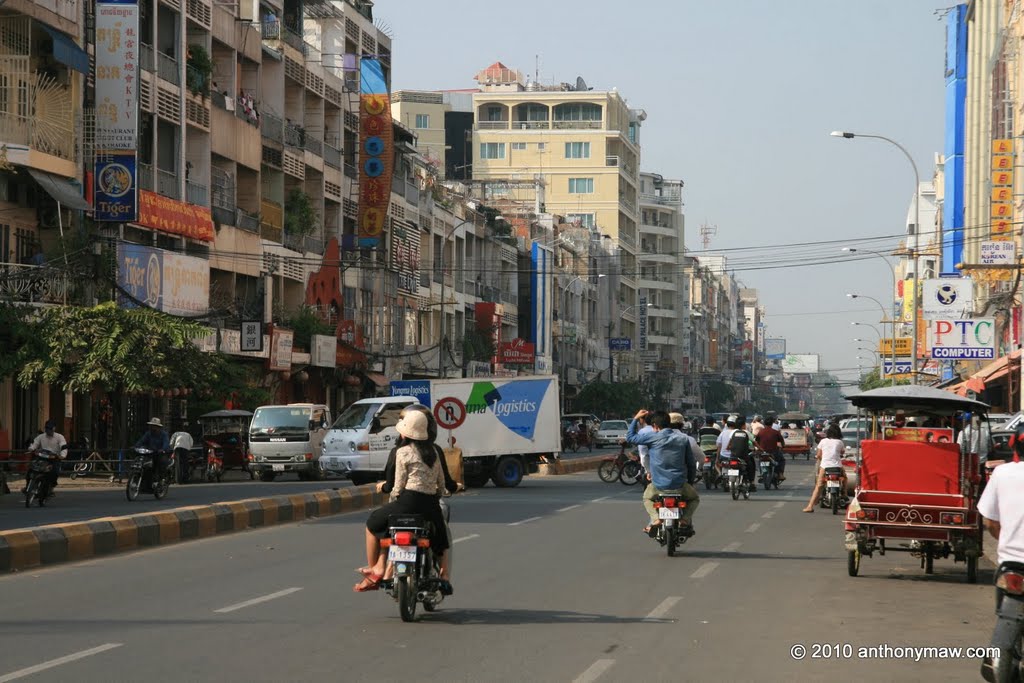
417, 570
1008, 634
38, 486
669, 533
834, 496
141, 477
710, 474
769, 477
737, 481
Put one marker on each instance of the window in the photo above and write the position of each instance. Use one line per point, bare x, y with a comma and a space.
518, 146
632, 133
586, 220
577, 150
581, 185
423, 120
583, 111
492, 150
541, 146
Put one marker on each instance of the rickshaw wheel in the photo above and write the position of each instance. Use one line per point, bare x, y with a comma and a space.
929, 561
853, 562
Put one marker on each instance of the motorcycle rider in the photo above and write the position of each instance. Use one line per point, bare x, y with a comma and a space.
739, 447
645, 460
678, 423
1002, 507
156, 440
673, 468
756, 425
722, 442
770, 440
54, 442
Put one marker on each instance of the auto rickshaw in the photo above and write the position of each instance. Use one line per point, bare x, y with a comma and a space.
917, 492
226, 441
574, 439
796, 431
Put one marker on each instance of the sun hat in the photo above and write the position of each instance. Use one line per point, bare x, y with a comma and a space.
676, 418
155, 422
413, 426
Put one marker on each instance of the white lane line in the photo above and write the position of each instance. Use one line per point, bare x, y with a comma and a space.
778, 505
525, 521
598, 500
594, 671
732, 547
66, 659
566, 509
466, 538
662, 609
704, 570
256, 601
768, 515
753, 527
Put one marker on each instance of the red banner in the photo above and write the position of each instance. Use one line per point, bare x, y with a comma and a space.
919, 434
516, 352
174, 217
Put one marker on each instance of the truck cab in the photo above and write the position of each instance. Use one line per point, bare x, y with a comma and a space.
358, 443
288, 438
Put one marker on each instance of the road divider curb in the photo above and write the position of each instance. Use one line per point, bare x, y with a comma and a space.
22, 549
570, 466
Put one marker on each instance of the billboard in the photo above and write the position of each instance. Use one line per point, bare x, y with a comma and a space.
775, 348
405, 256
163, 280
175, 218
972, 339
117, 76
800, 363
947, 298
376, 155
541, 281
116, 194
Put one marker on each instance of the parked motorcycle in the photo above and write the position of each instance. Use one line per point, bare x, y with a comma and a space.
417, 571
768, 476
38, 485
834, 496
141, 475
737, 482
669, 533
1008, 634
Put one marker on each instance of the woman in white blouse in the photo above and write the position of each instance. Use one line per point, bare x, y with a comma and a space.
830, 454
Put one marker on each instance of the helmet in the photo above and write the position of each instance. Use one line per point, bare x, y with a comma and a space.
731, 420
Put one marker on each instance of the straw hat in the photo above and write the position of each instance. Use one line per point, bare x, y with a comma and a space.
676, 418
413, 426
155, 422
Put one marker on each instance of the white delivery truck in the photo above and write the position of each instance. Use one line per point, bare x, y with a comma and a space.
504, 425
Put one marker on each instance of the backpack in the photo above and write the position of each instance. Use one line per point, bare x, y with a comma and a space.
739, 444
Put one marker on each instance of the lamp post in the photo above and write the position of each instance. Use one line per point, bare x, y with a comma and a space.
873, 328
892, 321
564, 289
913, 252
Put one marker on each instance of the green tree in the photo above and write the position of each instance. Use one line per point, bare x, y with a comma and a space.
718, 397
611, 399
304, 323
478, 345
300, 218
873, 380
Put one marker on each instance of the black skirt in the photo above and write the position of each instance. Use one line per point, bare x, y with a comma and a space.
412, 503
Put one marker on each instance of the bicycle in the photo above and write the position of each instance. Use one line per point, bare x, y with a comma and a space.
610, 468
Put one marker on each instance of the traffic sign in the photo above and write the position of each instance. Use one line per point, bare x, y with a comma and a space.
903, 347
450, 412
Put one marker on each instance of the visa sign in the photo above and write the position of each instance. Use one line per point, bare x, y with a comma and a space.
972, 339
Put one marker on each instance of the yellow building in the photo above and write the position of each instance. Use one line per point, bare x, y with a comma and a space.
423, 112
584, 143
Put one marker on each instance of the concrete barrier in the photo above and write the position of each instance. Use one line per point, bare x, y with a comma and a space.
22, 549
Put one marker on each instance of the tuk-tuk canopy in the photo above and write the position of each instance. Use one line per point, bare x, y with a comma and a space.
794, 416
915, 400
226, 413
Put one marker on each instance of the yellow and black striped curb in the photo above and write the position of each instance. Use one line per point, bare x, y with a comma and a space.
70, 542
573, 465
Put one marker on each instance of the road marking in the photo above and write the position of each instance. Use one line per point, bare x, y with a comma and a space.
566, 509
768, 515
788, 496
732, 547
66, 659
466, 538
256, 601
662, 609
704, 570
525, 521
598, 500
753, 527
594, 671
778, 505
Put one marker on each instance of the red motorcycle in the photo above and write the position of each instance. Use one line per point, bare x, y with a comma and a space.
214, 463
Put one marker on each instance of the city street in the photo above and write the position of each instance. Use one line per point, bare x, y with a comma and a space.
554, 582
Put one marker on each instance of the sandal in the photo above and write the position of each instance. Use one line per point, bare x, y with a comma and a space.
652, 530
365, 571
811, 509
370, 583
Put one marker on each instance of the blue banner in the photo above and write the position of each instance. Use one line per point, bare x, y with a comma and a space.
620, 343
116, 195
418, 389
140, 274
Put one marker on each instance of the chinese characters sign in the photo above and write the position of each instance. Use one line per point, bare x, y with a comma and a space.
405, 257
174, 217
375, 152
117, 73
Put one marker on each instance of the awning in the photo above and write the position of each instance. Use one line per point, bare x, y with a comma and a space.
995, 370
66, 52
66, 194
378, 379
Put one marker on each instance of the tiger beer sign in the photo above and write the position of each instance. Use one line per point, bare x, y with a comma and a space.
376, 153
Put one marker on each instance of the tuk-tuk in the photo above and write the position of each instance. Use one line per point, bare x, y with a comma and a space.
796, 432
226, 438
917, 492
572, 438
707, 437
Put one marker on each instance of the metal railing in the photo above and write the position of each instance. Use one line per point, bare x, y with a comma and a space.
222, 215
332, 156
627, 240
197, 82
33, 284
314, 145
576, 125
242, 115
219, 99
247, 221
351, 171
167, 68
294, 136
272, 127
146, 59
270, 30
531, 125
492, 125
670, 198
197, 193
294, 39
167, 184
144, 175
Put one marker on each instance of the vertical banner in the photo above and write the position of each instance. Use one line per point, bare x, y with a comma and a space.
117, 110
541, 281
641, 319
375, 152
1001, 203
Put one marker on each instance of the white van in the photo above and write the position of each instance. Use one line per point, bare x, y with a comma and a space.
288, 438
360, 440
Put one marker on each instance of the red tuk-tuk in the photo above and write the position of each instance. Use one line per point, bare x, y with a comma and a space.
917, 492
226, 439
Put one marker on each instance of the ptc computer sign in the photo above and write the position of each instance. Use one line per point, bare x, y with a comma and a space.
972, 339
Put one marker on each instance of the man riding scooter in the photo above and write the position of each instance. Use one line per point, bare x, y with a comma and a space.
673, 468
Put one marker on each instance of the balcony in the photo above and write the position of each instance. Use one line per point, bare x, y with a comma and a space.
332, 156
294, 136
303, 244
294, 39
197, 193
531, 125
272, 127
50, 131
627, 240
33, 284
492, 125
577, 125
314, 145
272, 219
167, 68
351, 171
167, 184
144, 177
222, 215
247, 221
270, 30
147, 62
665, 199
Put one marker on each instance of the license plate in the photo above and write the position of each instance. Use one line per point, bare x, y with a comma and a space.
668, 513
402, 553
278, 468
833, 484
733, 473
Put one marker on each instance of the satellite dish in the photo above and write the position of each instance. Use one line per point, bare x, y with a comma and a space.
581, 84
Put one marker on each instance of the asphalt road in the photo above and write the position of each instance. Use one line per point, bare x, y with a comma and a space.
554, 582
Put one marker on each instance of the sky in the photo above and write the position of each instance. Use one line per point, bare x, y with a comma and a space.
740, 99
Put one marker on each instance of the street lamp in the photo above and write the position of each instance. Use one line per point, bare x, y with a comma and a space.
892, 321
913, 252
873, 328
564, 289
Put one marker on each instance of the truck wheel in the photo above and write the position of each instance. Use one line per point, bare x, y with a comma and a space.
508, 472
476, 481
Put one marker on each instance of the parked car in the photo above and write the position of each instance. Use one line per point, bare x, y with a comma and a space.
610, 432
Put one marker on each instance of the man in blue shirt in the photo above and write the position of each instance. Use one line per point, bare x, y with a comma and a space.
673, 467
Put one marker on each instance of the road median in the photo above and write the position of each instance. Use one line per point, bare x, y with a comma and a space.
571, 466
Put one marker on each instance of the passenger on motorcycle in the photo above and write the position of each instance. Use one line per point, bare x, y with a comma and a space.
722, 443
678, 423
156, 440
419, 485
54, 442
770, 440
645, 460
740, 447
673, 468
756, 425
829, 455
1002, 507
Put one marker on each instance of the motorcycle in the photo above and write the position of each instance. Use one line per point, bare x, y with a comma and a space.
769, 477
723, 469
141, 475
38, 486
417, 571
669, 533
834, 496
710, 474
214, 464
737, 482
1008, 634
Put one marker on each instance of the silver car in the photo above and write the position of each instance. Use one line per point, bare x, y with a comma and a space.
610, 432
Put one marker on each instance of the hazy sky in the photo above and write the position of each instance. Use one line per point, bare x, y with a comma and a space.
740, 98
